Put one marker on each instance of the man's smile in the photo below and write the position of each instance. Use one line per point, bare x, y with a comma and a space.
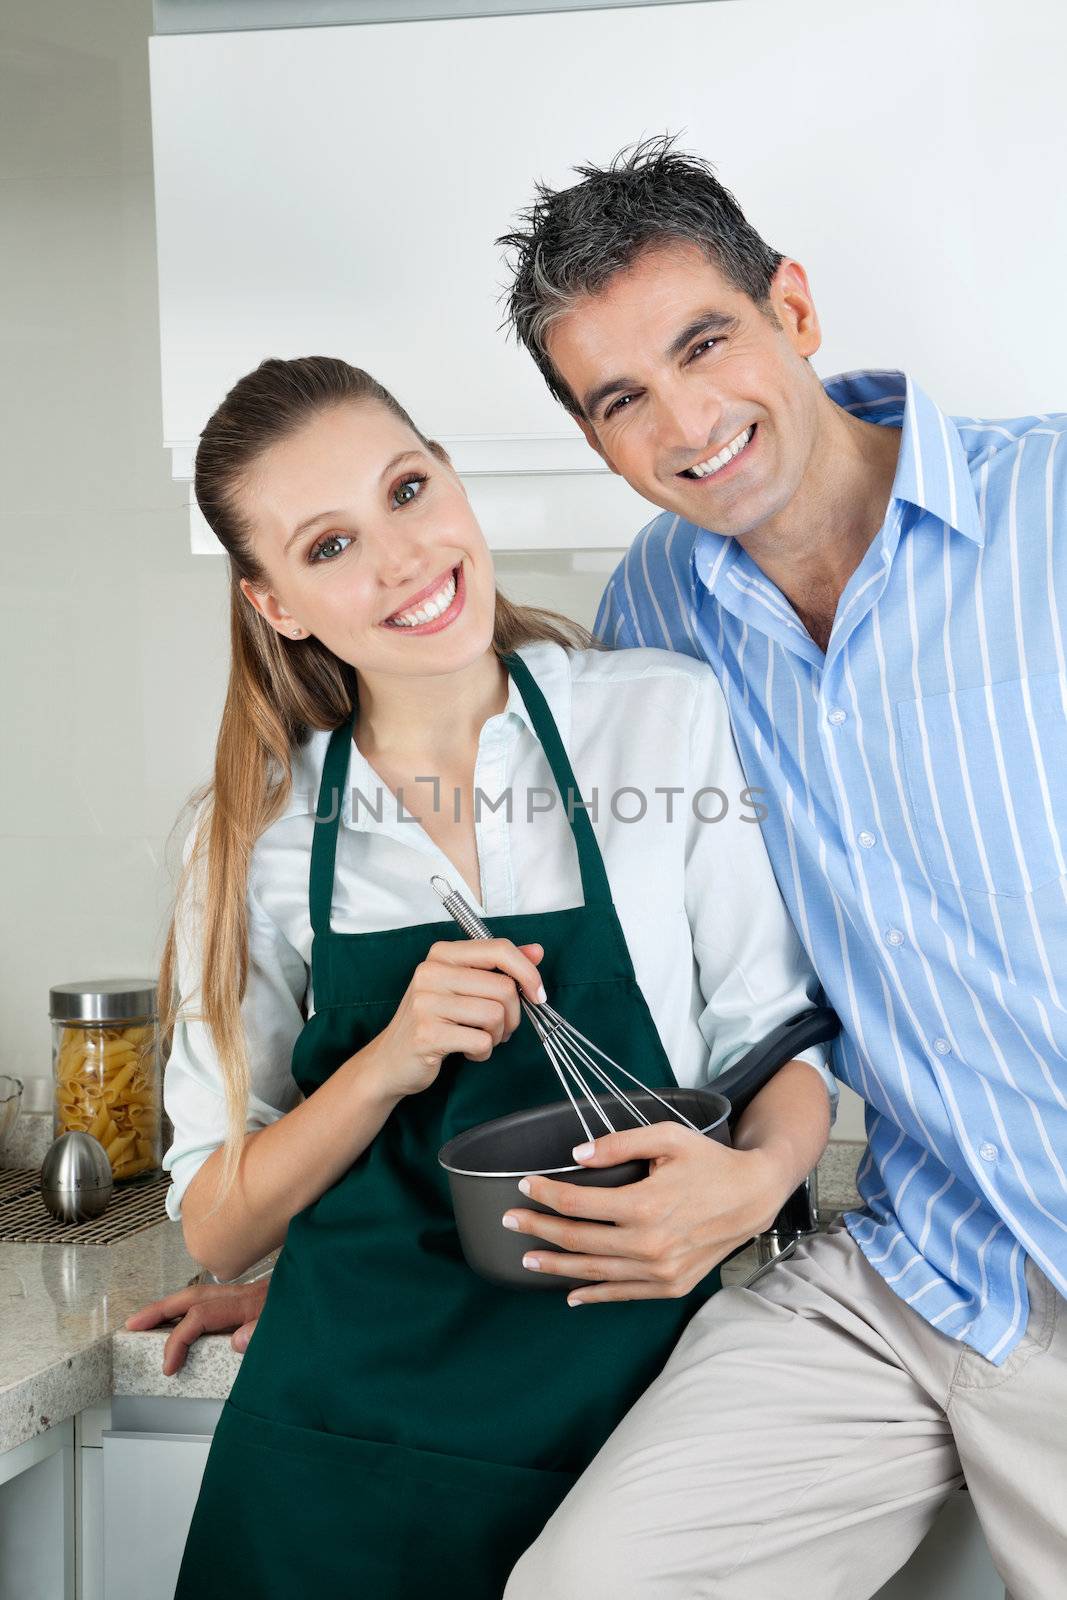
716, 464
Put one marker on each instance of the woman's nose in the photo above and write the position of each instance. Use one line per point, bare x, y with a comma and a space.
400, 562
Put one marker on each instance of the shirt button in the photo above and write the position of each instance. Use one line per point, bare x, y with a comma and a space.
836, 716
942, 1047
867, 840
894, 936
988, 1152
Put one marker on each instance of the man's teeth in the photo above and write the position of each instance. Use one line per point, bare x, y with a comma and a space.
431, 608
727, 453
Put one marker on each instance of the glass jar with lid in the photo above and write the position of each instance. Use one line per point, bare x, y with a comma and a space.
106, 1069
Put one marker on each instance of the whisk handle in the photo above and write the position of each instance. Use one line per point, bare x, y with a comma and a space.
459, 910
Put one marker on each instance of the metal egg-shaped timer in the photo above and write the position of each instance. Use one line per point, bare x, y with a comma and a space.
76, 1178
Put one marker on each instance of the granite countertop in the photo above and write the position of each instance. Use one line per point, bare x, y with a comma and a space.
63, 1346
60, 1306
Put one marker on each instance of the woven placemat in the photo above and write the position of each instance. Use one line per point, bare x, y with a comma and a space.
24, 1218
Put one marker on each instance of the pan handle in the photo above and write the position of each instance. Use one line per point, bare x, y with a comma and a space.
743, 1081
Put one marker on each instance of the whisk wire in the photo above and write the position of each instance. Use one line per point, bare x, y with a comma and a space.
570, 1053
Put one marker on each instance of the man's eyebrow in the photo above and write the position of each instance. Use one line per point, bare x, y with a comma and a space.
324, 516
707, 322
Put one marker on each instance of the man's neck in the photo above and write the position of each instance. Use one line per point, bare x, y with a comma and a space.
812, 548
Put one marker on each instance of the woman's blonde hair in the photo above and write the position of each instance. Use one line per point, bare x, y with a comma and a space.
278, 690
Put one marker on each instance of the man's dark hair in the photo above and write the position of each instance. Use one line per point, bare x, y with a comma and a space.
573, 241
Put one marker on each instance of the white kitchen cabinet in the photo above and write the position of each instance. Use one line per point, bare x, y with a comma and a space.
339, 190
154, 1456
37, 1517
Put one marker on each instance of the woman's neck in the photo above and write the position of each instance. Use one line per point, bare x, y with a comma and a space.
436, 719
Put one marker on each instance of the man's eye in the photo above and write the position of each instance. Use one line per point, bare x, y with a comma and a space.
705, 344
623, 400
324, 546
409, 490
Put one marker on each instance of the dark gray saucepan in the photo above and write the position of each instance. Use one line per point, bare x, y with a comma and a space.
485, 1163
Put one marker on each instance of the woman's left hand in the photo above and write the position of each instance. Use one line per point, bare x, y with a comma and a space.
655, 1239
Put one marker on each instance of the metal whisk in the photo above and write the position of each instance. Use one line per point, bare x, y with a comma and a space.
572, 1055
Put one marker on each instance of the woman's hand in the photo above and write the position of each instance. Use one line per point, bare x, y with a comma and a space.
203, 1308
465, 998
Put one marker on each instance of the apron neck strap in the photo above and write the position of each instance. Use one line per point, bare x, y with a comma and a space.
595, 887
328, 821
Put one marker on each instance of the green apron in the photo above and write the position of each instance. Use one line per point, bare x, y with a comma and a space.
399, 1426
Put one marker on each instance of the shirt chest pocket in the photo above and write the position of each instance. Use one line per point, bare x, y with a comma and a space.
984, 771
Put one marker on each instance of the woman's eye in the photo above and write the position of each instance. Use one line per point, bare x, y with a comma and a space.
323, 552
409, 490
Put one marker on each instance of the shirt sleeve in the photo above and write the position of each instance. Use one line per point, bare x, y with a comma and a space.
753, 971
272, 1015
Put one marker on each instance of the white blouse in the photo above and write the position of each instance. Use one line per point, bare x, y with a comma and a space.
648, 735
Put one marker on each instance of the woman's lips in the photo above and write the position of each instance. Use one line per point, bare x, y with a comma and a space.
435, 624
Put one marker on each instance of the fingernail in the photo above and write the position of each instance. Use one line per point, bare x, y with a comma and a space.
524, 1186
241, 1341
541, 995
510, 1222
531, 1263
575, 1300
582, 1152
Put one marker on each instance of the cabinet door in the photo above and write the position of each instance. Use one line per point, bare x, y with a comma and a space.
151, 1481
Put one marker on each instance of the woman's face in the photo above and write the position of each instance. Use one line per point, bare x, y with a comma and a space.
369, 543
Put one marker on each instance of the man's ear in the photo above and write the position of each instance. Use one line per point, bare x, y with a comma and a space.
793, 303
593, 442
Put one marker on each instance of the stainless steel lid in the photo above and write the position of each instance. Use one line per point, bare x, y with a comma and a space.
103, 1000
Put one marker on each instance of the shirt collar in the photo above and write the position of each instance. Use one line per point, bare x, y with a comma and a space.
932, 473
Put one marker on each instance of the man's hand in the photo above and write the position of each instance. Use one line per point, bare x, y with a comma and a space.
700, 1201
203, 1308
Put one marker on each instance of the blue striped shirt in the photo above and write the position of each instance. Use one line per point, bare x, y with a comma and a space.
918, 831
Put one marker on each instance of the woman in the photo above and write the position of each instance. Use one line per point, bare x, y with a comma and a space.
400, 1426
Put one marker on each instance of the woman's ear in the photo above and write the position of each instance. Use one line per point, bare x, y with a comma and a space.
271, 610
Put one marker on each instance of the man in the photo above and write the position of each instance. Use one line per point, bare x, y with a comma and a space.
879, 589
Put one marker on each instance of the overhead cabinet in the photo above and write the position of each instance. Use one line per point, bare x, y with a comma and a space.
338, 190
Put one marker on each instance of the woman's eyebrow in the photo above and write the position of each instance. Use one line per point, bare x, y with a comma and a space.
309, 522
403, 456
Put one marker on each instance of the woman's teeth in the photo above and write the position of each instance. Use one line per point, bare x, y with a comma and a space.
429, 609
716, 463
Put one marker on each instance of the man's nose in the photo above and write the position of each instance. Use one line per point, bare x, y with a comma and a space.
689, 422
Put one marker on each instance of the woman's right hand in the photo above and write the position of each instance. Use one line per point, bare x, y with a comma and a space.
463, 998
203, 1308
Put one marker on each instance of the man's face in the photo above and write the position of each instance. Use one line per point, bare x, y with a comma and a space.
673, 366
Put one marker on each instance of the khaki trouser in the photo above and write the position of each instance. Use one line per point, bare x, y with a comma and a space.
800, 1441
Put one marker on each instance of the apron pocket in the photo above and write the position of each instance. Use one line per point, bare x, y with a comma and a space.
286, 1511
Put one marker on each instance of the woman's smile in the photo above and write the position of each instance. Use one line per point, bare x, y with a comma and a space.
432, 608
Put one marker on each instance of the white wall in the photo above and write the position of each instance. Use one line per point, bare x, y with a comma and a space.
113, 636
